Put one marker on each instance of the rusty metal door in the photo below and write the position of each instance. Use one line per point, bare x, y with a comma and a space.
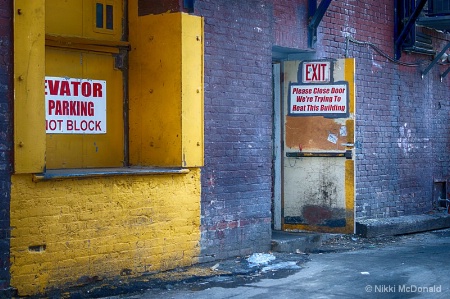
318, 152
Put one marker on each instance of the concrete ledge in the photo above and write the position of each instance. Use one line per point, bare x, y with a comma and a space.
60, 174
369, 228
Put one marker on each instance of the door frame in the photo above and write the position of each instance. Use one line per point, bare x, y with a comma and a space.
277, 146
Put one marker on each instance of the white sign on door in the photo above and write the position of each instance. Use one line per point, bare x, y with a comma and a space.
75, 106
314, 99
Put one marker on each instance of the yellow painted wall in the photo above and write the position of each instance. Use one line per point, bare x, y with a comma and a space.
78, 17
70, 229
99, 227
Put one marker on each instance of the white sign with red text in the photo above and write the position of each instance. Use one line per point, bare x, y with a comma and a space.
314, 99
75, 106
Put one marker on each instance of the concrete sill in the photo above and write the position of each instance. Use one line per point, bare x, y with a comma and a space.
61, 174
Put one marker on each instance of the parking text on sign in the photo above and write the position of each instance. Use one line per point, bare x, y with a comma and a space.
75, 106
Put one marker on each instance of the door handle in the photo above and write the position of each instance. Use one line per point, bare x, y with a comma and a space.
348, 154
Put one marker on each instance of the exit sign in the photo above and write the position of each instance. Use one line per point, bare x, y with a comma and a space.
316, 71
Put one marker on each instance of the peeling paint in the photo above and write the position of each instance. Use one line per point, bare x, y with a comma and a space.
405, 140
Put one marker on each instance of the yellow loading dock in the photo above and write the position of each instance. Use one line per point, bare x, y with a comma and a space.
126, 200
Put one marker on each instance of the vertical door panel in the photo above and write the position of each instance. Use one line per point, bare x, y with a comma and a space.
88, 150
82, 39
318, 165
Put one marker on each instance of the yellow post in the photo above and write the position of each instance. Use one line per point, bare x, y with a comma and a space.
29, 73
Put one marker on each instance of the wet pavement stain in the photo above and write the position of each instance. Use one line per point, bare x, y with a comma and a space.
233, 273
229, 273
232, 281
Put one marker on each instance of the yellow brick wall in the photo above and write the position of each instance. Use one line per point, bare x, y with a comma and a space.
64, 231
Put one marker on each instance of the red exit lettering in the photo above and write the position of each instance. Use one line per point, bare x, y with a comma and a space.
316, 72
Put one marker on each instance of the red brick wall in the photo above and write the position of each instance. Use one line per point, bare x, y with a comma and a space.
236, 179
147, 7
289, 22
402, 120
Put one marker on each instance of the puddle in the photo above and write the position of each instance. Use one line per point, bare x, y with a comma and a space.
441, 233
281, 266
272, 271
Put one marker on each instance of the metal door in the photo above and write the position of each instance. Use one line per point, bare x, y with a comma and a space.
318, 136
84, 57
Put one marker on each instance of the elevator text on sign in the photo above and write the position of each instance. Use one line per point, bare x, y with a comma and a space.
330, 99
75, 106
316, 72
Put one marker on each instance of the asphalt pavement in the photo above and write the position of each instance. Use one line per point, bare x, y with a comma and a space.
408, 266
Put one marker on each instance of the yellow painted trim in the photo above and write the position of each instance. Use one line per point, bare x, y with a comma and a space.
350, 195
350, 164
82, 43
350, 124
316, 228
350, 78
91, 48
192, 91
29, 73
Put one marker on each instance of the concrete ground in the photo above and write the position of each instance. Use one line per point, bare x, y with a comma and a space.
390, 263
341, 266
410, 266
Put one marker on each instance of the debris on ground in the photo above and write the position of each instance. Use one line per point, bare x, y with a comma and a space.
353, 242
258, 259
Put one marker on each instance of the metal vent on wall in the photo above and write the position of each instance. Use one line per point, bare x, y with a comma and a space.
438, 7
407, 29
437, 16
409, 17
419, 43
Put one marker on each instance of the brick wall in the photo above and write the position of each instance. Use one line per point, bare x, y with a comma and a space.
5, 136
157, 7
69, 232
402, 128
236, 179
402, 121
289, 23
